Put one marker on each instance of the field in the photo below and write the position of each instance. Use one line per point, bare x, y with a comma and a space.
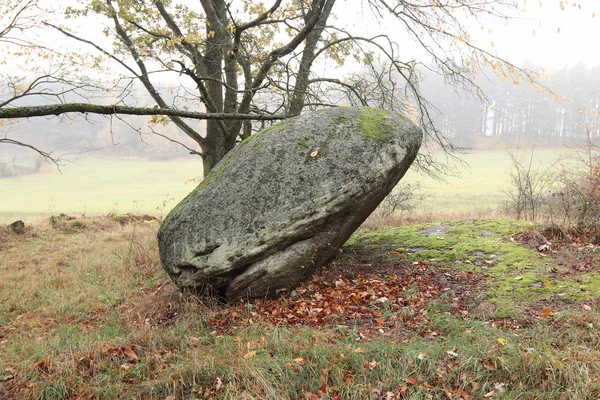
471, 308
98, 186
101, 186
461, 313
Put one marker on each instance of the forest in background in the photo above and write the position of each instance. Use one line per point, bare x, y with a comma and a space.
514, 114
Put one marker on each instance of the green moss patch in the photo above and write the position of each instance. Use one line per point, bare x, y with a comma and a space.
515, 275
374, 126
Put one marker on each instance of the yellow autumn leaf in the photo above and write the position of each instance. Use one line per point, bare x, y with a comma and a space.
359, 350
547, 313
299, 359
502, 341
250, 354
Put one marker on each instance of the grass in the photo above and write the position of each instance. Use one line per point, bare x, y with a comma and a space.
87, 312
478, 186
98, 186
101, 186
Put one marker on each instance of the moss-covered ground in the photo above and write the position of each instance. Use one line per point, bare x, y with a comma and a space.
516, 276
452, 310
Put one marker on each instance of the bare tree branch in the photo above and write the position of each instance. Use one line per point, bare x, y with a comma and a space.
47, 156
57, 109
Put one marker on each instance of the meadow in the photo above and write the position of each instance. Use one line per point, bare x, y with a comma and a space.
460, 308
101, 186
97, 186
468, 312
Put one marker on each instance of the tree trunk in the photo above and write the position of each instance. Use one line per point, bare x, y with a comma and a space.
308, 56
214, 149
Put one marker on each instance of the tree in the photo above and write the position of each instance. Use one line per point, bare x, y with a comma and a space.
243, 61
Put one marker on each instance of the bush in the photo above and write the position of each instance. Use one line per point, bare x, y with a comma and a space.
403, 198
530, 183
576, 200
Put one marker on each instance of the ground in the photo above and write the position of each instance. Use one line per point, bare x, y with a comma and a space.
461, 310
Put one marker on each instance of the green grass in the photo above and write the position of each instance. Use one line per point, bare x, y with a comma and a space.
98, 186
479, 186
516, 275
101, 186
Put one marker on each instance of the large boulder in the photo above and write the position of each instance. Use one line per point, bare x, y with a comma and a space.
284, 201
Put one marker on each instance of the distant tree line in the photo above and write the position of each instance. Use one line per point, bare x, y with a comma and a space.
515, 110
512, 112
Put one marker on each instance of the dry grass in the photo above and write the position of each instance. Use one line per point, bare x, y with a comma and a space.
86, 312
378, 221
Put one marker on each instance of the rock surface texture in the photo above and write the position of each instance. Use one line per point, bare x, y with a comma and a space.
284, 201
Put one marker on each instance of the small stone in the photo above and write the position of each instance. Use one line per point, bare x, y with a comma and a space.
18, 227
434, 230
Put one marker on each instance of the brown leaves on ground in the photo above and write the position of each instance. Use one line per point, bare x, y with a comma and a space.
576, 250
369, 297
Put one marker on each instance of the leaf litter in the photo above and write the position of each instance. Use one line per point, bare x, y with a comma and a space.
386, 297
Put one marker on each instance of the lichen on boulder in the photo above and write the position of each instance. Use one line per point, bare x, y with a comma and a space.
285, 200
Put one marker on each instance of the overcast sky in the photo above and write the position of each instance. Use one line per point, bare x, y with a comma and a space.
549, 47
532, 36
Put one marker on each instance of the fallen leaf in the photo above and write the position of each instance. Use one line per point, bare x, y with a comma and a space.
130, 354
502, 341
370, 364
452, 353
250, 354
489, 394
299, 359
489, 365
499, 387
547, 313
411, 380
324, 377
587, 308
359, 350
518, 278
44, 364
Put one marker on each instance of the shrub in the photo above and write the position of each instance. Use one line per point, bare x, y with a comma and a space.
402, 198
576, 199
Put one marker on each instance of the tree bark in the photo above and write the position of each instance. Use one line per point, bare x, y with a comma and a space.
308, 57
58, 109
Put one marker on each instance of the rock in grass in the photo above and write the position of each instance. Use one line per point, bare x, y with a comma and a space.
18, 227
285, 200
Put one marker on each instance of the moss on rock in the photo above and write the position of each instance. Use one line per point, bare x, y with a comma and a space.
374, 125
